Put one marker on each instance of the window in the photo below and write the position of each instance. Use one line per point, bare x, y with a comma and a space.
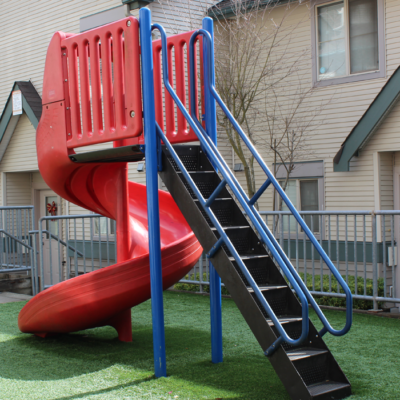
103, 226
304, 194
348, 43
305, 189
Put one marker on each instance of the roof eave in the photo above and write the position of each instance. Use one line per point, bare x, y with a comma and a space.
227, 12
369, 123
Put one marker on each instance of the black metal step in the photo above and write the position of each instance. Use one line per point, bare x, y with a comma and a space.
329, 390
251, 257
281, 301
232, 227
226, 212
267, 287
192, 157
206, 183
115, 154
244, 240
261, 268
290, 319
300, 353
313, 370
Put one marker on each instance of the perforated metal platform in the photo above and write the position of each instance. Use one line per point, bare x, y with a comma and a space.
116, 154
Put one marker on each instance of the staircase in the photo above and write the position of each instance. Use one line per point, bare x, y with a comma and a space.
309, 370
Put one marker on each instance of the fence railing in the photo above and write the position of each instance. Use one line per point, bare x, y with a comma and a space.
72, 245
361, 244
16, 250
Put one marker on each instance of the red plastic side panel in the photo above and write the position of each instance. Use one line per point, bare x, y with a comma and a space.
53, 88
168, 116
176, 127
104, 90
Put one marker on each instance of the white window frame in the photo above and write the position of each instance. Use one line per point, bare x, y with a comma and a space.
309, 170
381, 73
298, 205
102, 236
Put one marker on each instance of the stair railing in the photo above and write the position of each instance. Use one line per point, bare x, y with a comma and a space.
207, 42
206, 203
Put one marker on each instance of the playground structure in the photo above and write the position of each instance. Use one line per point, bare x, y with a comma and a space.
92, 93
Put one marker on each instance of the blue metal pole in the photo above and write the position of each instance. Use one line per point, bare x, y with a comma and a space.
211, 128
157, 309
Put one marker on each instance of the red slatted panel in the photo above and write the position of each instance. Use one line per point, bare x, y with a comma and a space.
105, 100
176, 129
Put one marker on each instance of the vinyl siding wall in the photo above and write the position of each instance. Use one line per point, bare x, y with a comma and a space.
346, 103
24, 48
18, 189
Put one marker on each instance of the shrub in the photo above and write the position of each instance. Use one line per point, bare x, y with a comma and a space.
358, 304
192, 287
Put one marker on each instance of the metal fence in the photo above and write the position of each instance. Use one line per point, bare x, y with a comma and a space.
16, 250
72, 245
361, 244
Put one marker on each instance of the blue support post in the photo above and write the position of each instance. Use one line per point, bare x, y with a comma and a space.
211, 128
157, 309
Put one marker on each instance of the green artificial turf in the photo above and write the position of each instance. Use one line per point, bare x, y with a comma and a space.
93, 364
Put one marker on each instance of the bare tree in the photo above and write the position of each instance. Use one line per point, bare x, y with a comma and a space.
258, 76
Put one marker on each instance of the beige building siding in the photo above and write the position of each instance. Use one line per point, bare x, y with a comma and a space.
386, 181
352, 190
179, 15
24, 39
21, 151
18, 189
38, 180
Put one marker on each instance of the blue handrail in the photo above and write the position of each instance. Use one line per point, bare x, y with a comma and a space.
212, 153
271, 179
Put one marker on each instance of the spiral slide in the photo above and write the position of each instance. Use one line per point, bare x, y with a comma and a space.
103, 297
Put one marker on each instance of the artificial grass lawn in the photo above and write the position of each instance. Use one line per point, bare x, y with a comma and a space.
93, 364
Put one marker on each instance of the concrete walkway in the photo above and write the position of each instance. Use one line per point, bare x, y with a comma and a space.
8, 297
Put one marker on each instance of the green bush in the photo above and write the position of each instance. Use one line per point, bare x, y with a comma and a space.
358, 304
192, 287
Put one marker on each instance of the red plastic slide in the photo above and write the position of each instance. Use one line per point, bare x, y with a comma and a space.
103, 297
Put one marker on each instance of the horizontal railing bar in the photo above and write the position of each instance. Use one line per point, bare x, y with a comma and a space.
16, 239
197, 282
386, 212
71, 217
357, 296
16, 269
319, 212
16, 207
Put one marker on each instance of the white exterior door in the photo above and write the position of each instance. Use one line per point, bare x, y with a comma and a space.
49, 205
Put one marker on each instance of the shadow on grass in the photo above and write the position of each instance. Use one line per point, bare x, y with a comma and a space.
30, 358
108, 390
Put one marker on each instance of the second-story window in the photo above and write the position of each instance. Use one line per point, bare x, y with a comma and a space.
347, 36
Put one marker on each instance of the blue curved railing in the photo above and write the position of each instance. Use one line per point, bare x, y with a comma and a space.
207, 42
